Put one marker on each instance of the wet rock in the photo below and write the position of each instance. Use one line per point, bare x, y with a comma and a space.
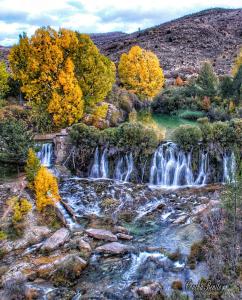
199, 209
114, 248
120, 229
71, 263
102, 234
123, 236
84, 247
150, 291
56, 240
181, 220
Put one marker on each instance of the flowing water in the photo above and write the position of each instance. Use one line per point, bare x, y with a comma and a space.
45, 154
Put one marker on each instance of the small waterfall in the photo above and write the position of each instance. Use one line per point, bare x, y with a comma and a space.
124, 168
229, 167
45, 154
172, 167
100, 166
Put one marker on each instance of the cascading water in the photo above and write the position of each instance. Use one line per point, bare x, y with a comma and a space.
229, 167
45, 154
100, 166
172, 167
124, 168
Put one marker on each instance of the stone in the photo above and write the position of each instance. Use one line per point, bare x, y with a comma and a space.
84, 247
180, 220
71, 263
150, 290
114, 248
120, 229
123, 236
199, 209
102, 234
56, 240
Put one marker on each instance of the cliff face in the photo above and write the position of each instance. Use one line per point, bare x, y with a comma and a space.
183, 44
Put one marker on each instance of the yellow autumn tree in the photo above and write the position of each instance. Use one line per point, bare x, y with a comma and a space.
32, 165
95, 72
46, 189
99, 113
67, 103
140, 71
237, 63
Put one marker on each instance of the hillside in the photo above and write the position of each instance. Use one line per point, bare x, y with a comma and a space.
183, 44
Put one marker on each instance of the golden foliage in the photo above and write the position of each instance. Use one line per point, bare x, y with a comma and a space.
237, 63
95, 72
32, 165
67, 103
46, 189
20, 207
179, 81
140, 71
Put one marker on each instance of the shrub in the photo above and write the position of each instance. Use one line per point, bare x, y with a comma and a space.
177, 285
187, 136
21, 208
46, 189
82, 134
3, 235
32, 165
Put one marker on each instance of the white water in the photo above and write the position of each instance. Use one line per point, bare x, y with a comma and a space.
45, 154
172, 167
124, 168
229, 167
100, 165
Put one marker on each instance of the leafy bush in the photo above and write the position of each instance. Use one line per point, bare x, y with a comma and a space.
191, 115
20, 209
187, 136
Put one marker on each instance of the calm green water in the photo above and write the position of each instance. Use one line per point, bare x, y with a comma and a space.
165, 122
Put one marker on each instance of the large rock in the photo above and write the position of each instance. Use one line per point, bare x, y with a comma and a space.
71, 263
102, 234
57, 239
150, 291
84, 247
114, 248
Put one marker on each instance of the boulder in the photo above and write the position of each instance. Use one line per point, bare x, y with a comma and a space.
120, 229
180, 220
55, 240
71, 263
199, 209
123, 236
84, 247
102, 234
150, 291
114, 248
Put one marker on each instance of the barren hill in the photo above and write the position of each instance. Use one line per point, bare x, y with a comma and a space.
181, 45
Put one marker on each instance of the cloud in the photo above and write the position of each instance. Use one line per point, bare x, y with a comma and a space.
93, 16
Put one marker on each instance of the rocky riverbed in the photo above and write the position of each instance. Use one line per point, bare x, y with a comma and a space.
121, 241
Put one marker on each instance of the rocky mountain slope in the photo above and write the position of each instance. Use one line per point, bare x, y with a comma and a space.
182, 44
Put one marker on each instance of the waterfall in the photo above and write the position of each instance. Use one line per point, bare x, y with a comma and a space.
172, 167
45, 154
100, 165
229, 167
124, 168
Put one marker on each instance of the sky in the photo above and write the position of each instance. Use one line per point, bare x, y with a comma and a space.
94, 16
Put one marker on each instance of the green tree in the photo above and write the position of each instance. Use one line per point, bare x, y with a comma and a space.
207, 81
237, 85
95, 72
4, 76
226, 87
15, 140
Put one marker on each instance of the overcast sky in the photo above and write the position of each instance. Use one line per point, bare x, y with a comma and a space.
92, 16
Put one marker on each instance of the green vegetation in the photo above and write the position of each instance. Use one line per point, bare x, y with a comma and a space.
187, 136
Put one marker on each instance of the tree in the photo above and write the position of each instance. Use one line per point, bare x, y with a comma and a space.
15, 140
237, 63
140, 71
67, 103
95, 72
207, 81
46, 189
226, 87
237, 85
20, 208
4, 76
32, 165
